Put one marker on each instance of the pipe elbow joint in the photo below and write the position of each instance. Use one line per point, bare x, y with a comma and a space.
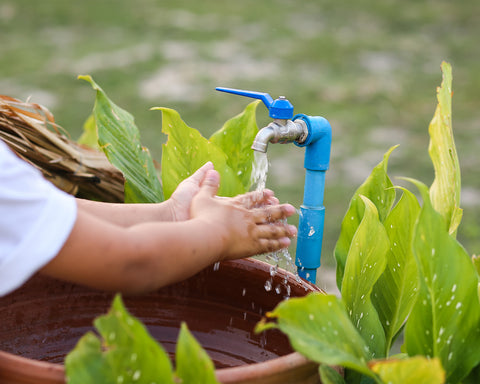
317, 143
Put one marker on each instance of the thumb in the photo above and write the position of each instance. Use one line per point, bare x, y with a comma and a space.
210, 183
200, 173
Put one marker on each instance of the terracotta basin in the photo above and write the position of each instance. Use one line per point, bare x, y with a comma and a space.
42, 321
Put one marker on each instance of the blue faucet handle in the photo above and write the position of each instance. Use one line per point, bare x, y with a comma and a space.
280, 108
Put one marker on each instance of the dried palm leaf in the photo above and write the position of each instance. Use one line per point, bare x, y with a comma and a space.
31, 132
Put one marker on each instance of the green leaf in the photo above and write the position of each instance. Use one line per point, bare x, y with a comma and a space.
127, 353
396, 290
445, 320
328, 375
193, 363
235, 139
365, 263
378, 188
187, 150
119, 138
319, 327
418, 370
445, 190
89, 136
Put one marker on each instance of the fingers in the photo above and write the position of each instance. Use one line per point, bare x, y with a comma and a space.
273, 213
256, 199
272, 245
276, 231
210, 183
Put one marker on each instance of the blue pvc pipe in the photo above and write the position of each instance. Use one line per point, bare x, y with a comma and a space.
312, 212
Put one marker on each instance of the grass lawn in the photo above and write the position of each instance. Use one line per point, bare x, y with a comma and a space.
370, 67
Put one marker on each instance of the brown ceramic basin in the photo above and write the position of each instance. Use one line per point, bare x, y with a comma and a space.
42, 321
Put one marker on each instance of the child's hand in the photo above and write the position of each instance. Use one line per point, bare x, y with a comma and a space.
243, 226
181, 199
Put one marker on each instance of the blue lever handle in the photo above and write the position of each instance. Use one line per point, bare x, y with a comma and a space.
280, 108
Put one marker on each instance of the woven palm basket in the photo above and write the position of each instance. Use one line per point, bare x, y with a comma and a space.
31, 132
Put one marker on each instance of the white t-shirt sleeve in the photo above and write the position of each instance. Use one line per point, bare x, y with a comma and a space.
36, 219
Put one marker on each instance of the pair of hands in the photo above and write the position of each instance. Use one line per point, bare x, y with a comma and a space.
246, 225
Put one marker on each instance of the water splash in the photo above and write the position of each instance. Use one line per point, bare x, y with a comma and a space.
281, 258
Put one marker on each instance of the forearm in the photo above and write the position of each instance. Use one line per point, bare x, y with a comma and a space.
126, 215
137, 259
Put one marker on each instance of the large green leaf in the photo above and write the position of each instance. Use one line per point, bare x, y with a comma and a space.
445, 320
319, 327
126, 354
378, 188
119, 138
235, 139
418, 370
445, 190
187, 150
396, 290
193, 363
365, 263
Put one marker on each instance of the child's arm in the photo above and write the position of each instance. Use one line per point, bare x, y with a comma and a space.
148, 255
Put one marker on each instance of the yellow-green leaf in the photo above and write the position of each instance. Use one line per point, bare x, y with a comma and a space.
89, 136
378, 188
187, 150
445, 190
127, 353
319, 327
235, 138
365, 263
396, 290
418, 370
193, 363
445, 320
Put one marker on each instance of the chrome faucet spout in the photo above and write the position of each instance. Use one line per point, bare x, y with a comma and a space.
280, 131
264, 136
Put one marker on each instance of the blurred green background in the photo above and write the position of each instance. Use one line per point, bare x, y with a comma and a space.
370, 67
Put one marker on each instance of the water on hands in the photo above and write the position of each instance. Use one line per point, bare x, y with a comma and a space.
281, 258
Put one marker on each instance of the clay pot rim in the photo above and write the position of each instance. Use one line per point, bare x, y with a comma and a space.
278, 366
53, 371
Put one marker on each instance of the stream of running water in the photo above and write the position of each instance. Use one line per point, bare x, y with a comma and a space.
281, 258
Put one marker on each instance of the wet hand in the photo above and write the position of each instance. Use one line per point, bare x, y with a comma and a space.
245, 225
181, 199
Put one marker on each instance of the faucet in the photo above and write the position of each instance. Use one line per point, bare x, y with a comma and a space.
315, 134
282, 129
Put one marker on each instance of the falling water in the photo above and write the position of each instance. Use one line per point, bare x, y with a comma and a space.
259, 171
282, 257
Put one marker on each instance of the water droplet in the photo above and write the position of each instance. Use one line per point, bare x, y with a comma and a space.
216, 266
311, 317
454, 288
433, 251
136, 375
312, 231
268, 285
458, 305
244, 291
120, 379
278, 289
